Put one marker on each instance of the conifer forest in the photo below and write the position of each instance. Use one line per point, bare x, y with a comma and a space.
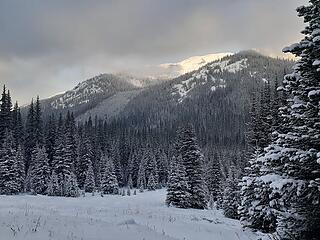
227, 149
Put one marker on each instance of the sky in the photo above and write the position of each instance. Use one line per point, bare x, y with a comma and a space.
46, 47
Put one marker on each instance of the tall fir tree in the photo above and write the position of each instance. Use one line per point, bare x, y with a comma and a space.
231, 199
9, 183
109, 182
39, 171
177, 191
89, 184
192, 160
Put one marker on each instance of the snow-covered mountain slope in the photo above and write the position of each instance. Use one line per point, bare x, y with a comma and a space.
115, 95
208, 74
86, 91
110, 107
113, 217
192, 63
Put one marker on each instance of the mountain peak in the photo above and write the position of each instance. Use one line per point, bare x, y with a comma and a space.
192, 63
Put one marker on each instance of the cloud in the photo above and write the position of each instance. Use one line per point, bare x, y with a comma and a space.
48, 46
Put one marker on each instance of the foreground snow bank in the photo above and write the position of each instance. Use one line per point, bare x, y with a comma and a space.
142, 217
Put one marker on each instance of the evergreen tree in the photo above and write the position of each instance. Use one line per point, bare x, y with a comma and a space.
152, 185
17, 126
89, 184
21, 174
40, 171
130, 184
5, 113
71, 189
30, 139
192, 160
109, 182
9, 183
177, 192
50, 137
231, 199
290, 167
84, 160
54, 188
213, 179
141, 176
162, 164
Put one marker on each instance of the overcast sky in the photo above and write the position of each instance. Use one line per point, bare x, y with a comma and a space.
46, 47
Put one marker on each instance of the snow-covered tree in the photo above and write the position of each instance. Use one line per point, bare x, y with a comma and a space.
109, 182
213, 178
231, 199
130, 183
21, 174
191, 155
39, 170
152, 185
89, 184
71, 186
9, 183
177, 190
289, 167
54, 188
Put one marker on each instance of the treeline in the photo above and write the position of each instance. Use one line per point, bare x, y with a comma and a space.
57, 156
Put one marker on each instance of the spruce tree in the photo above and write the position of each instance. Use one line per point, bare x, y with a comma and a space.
89, 184
177, 191
39, 171
5, 113
231, 199
9, 183
109, 182
54, 188
192, 160
71, 186
290, 166
152, 185
21, 174
213, 178
84, 160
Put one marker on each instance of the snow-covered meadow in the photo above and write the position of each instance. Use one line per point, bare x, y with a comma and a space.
137, 217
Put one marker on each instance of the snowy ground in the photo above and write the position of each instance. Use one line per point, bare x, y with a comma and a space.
140, 217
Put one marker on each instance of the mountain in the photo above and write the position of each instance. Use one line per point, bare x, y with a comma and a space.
215, 98
191, 64
95, 92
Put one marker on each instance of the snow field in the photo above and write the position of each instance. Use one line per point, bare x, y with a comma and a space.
137, 217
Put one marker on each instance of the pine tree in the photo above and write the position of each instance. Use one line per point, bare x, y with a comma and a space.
9, 184
162, 164
141, 182
302, 166
192, 160
109, 182
54, 188
89, 184
21, 174
39, 171
17, 127
231, 199
152, 185
38, 124
30, 140
5, 113
177, 192
84, 160
130, 184
50, 137
213, 178
290, 166
71, 189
